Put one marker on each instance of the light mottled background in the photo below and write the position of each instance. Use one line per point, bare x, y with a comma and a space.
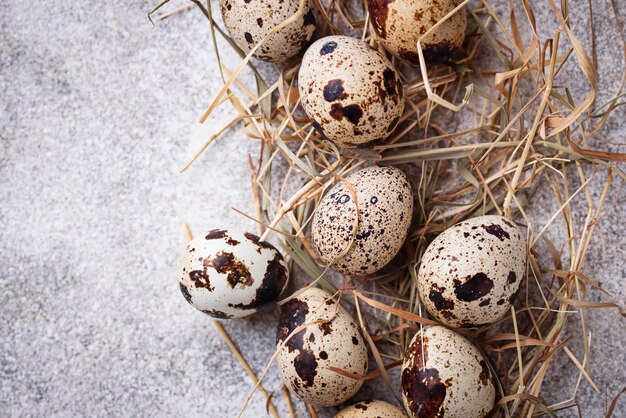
98, 110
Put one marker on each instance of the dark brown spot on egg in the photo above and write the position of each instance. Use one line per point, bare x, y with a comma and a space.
325, 327
484, 373
328, 47
217, 314
274, 281
275, 278
336, 111
424, 391
448, 315
216, 234
200, 279
295, 385
309, 18
410, 56
351, 112
419, 350
485, 302
232, 242
306, 367
390, 81
355, 340
261, 244
334, 91
236, 271
388, 87
364, 234
185, 292
393, 124
259, 22
474, 288
500, 302
496, 230
344, 199
441, 303
248, 37
323, 355
292, 315
439, 53
379, 10
362, 405
512, 277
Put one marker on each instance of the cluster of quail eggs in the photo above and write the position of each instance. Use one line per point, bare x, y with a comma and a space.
351, 92
467, 277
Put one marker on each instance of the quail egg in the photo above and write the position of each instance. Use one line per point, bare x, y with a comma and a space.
371, 409
400, 24
249, 21
352, 94
331, 338
445, 375
385, 205
229, 274
470, 274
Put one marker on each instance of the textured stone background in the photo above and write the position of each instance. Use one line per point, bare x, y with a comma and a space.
98, 110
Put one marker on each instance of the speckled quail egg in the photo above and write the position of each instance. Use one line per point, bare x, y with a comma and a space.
371, 409
445, 375
229, 274
400, 24
385, 206
331, 339
352, 94
249, 21
470, 274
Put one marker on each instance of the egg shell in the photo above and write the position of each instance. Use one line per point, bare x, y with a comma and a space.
469, 275
385, 206
445, 375
305, 359
352, 94
371, 409
230, 274
400, 24
249, 21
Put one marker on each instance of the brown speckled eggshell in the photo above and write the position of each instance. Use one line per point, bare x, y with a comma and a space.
351, 93
249, 21
470, 274
371, 409
385, 207
444, 375
335, 341
231, 274
400, 24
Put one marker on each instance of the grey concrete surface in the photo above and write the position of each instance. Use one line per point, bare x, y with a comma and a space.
98, 110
